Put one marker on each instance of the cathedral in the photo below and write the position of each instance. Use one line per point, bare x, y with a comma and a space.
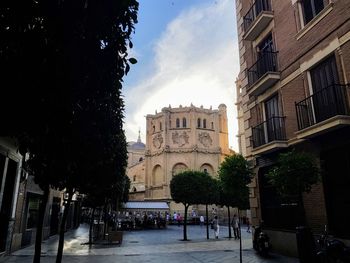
177, 139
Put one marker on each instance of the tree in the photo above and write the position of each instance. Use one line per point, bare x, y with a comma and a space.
294, 174
189, 188
235, 175
209, 194
65, 61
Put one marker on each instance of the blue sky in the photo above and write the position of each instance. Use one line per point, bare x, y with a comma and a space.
187, 53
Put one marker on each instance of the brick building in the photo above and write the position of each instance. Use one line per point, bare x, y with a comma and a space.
294, 94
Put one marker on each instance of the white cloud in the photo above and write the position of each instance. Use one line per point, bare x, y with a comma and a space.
195, 61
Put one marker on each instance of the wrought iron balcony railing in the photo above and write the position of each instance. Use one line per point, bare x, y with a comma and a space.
270, 130
257, 7
322, 105
266, 63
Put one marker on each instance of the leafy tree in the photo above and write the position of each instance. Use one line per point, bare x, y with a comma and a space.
235, 175
189, 188
209, 194
294, 174
65, 61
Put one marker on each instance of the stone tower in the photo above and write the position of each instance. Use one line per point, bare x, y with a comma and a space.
183, 138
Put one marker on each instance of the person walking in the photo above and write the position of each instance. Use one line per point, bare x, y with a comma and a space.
235, 225
178, 219
248, 225
201, 220
175, 217
216, 227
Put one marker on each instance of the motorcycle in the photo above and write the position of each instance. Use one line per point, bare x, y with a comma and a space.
261, 241
331, 250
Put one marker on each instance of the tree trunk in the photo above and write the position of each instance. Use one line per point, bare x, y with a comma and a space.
185, 223
207, 219
91, 225
105, 221
63, 227
98, 223
240, 237
39, 230
229, 222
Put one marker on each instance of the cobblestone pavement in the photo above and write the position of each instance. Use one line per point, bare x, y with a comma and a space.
163, 245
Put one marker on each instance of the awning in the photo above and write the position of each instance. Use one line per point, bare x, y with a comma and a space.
146, 205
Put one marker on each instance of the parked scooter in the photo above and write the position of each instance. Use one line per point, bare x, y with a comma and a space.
261, 241
331, 250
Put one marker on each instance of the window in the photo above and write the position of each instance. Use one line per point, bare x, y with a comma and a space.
160, 126
324, 74
184, 124
212, 125
204, 123
328, 96
311, 8
199, 123
274, 120
134, 178
177, 123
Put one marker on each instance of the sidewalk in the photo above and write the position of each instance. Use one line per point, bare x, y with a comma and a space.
156, 245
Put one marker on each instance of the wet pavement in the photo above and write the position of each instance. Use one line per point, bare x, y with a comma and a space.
153, 245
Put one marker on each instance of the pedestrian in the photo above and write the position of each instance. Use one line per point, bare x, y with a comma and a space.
201, 220
248, 225
178, 219
174, 217
235, 225
216, 227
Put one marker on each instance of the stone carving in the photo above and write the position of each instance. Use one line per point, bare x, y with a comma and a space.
204, 138
157, 140
180, 138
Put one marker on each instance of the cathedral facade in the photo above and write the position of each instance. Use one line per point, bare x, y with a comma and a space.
184, 138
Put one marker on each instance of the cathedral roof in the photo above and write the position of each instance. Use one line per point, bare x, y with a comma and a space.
139, 145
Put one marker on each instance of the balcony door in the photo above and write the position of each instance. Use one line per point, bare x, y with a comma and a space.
273, 119
327, 94
266, 58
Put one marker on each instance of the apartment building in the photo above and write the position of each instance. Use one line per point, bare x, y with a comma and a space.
294, 94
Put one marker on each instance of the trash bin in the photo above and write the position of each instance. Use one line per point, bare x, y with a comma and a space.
305, 244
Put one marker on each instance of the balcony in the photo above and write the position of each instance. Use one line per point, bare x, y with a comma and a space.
257, 19
325, 110
269, 135
263, 74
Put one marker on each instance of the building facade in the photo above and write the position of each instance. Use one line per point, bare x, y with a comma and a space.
10, 176
136, 169
19, 203
184, 138
294, 94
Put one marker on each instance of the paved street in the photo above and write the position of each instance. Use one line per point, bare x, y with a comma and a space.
151, 246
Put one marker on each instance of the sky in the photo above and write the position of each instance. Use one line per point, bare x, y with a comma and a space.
187, 52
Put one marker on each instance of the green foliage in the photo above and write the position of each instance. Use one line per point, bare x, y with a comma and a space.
294, 173
193, 187
235, 175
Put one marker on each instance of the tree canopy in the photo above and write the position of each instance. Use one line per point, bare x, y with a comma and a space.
193, 187
294, 173
235, 175
62, 65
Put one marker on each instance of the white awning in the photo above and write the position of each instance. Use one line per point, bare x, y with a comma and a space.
146, 205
